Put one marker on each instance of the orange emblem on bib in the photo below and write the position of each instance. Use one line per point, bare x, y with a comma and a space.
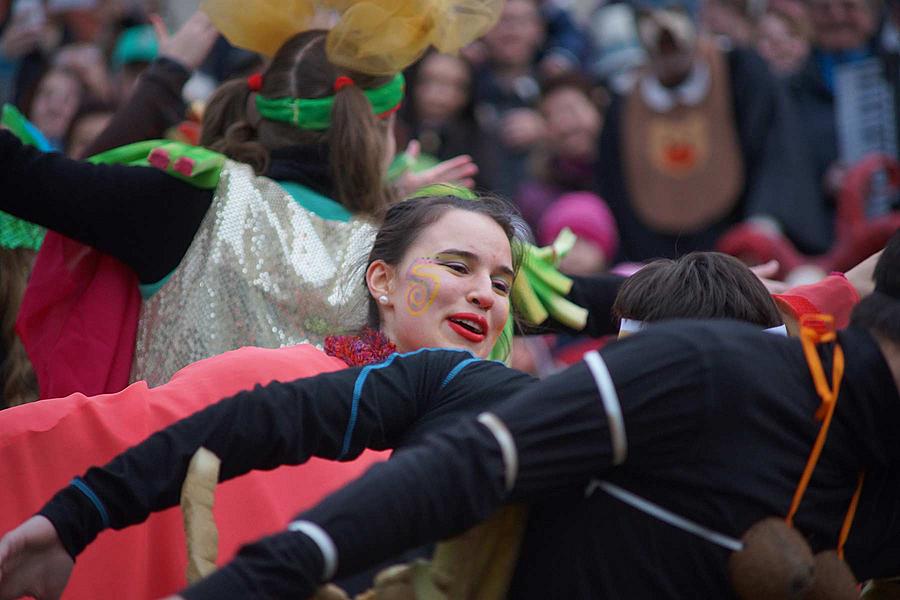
678, 148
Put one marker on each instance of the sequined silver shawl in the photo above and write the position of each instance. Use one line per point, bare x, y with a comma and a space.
261, 271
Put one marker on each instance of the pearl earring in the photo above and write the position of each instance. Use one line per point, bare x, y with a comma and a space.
383, 299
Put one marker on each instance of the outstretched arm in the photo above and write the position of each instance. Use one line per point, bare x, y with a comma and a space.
558, 433
333, 415
142, 216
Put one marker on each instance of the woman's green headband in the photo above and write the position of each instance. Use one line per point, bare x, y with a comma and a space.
315, 113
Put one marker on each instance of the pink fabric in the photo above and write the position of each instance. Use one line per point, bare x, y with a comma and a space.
587, 216
46, 443
79, 303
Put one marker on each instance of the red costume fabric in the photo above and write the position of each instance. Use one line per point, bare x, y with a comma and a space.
79, 303
834, 296
46, 443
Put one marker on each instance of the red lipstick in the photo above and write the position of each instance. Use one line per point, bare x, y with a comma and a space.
469, 326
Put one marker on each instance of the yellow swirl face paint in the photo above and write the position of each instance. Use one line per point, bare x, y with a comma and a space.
421, 287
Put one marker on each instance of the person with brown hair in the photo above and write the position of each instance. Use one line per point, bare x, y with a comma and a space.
263, 258
699, 285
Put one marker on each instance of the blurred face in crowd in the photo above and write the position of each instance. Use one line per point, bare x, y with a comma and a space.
573, 123
842, 24
442, 88
451, 290
55, 103
783, 47
518, 35
728, 19
670, 39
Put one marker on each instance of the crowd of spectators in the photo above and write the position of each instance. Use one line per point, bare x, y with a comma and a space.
527, 101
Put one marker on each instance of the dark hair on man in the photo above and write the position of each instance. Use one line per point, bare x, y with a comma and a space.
879, 312
405, 221
699, 285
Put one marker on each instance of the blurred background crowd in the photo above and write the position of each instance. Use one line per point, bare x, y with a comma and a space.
763, 128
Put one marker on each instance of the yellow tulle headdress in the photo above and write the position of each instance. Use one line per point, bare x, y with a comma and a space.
377, 37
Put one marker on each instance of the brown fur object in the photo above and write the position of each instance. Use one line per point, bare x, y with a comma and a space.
775, 564
833, 579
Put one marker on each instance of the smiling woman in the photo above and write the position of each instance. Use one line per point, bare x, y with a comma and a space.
443, 272
445, 295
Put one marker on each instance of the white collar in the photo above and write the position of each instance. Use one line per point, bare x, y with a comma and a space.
633, 326
690, 92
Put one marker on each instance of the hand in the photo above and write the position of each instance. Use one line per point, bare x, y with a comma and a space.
459, 170
19, 40
765, 272
191, 44
862, 275
522, 127
33, 562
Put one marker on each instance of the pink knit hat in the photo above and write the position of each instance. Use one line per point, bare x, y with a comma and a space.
587, 216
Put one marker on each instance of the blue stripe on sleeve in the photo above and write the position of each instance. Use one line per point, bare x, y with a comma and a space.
87, 491
361, 380
456, 370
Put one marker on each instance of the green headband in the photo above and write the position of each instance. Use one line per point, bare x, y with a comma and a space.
315, 113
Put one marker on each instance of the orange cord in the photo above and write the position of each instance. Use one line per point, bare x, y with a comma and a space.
848, 518
809, 337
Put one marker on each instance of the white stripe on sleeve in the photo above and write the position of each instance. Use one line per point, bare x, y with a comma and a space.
610, 405
507, 446
323, 541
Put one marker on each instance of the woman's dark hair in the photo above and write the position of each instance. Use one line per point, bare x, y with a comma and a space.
879, 312
699, 285
355, 142
406, 220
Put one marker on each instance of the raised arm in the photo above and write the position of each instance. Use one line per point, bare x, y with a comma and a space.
142, 216
156, 104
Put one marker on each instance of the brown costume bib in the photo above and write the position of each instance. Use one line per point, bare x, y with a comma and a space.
683, 167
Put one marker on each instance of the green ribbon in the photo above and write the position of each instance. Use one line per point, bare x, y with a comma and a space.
315, 113
14, 232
